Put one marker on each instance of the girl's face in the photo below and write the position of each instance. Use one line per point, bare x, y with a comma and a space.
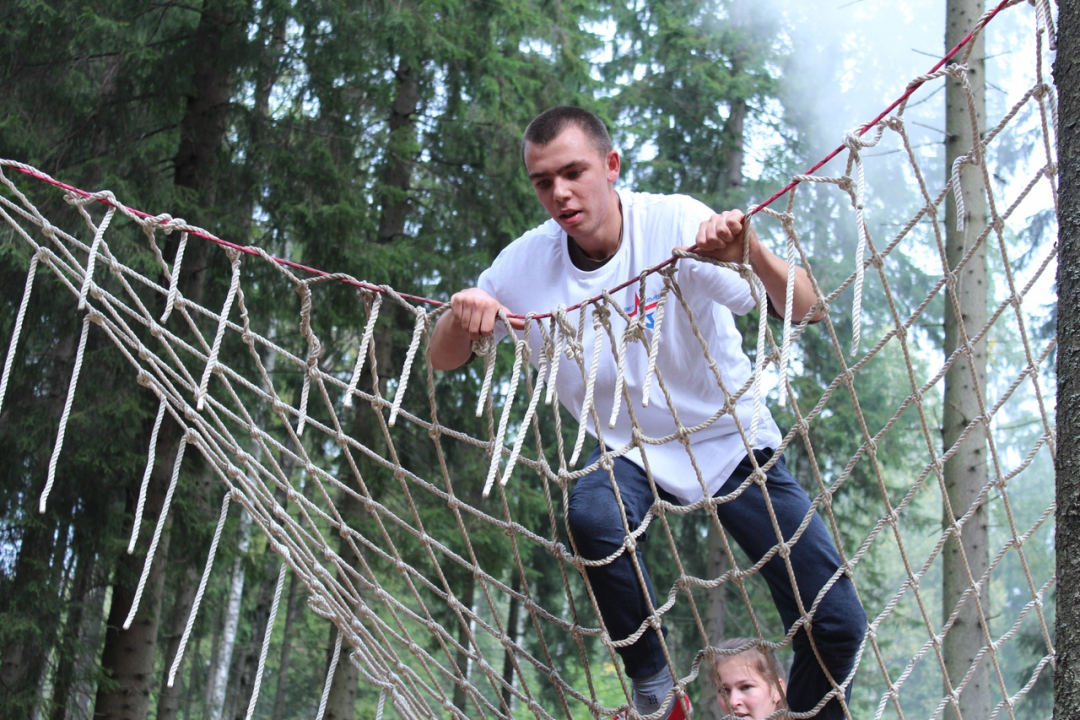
745, 692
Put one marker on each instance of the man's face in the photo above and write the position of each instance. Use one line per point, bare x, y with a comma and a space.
573, 181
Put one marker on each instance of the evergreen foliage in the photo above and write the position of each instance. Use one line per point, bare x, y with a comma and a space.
379, 139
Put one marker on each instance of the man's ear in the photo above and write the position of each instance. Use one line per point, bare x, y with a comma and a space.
613, 166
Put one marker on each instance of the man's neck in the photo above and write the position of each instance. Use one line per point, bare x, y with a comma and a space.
607, 242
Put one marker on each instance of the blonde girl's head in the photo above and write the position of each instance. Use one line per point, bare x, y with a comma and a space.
750, 681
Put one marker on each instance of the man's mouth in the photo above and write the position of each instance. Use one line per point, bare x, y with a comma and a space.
569, 215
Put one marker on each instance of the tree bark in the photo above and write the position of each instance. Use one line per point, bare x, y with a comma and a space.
220, 673
401, 151
1067, 622
128, 656
169, 697
249, 662
730, 188
513, 620
341, 702
464, 638
394, 195
291, 613
965, 557
715, 619
68, 667
35, 576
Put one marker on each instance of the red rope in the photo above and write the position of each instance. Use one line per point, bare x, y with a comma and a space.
247, 249
415, 298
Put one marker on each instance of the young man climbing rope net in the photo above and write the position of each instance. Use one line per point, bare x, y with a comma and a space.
598, 237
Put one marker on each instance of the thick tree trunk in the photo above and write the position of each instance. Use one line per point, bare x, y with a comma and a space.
341, 703
23, 660
292, 611
68, 666
30, 598
464, 638
128, 657
730, 168
965, 557
513, 620
715, 620
394, 197
169, 697
220, 673
215, 651
401, 152
1067, 79
248, 665
86, 662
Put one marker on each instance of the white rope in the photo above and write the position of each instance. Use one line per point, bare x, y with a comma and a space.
269, 632
174, 278
163, 519
150, 455
761, 357
99, 237
590, 385
654, 346
16, 333
558, 318
485, 347
526, 422
854, 143
497, 441
365, 342
58, 446
212, 360
329, 676
403, 381
222, 516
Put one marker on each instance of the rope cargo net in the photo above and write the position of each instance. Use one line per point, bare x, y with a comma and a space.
444, 628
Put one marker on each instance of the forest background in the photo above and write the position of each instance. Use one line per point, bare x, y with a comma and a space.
382, 140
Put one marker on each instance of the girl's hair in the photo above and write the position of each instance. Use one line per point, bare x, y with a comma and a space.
758, 655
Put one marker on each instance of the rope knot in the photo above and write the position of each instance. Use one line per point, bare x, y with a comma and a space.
957, 71
484, 345
852, 141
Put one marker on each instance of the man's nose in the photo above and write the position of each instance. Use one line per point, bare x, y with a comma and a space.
561, 188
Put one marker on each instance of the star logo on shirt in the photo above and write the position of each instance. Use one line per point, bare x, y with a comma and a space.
649, 310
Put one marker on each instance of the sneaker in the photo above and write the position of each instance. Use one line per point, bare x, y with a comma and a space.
681, 711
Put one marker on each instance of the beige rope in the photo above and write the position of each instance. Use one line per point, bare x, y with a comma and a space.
390, 630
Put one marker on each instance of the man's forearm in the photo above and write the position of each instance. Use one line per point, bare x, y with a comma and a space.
773, 272
451, 347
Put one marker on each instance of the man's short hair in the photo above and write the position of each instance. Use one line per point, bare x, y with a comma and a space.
546, 126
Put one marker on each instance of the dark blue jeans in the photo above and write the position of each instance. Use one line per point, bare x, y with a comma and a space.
837, 626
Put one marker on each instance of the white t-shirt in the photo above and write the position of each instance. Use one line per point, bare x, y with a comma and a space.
535, 274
